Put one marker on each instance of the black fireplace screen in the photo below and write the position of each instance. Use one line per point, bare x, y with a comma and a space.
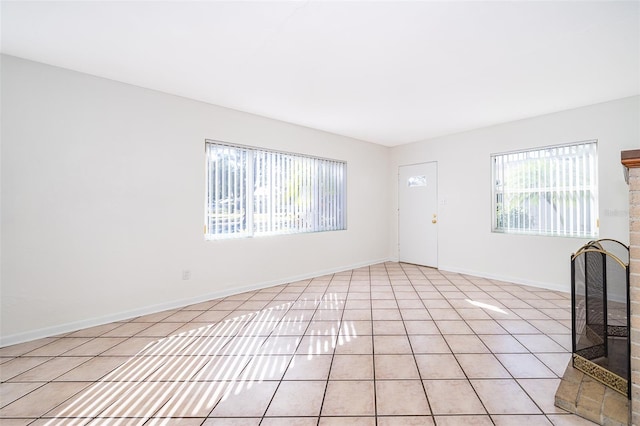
600, 312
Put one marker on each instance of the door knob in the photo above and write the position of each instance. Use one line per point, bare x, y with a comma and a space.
434, 219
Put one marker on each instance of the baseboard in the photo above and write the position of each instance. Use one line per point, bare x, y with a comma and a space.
27, 336
516, 280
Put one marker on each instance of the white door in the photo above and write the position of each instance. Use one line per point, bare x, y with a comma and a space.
418, 214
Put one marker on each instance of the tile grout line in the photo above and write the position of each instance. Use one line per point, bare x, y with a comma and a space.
515, 379
373, 347
326, 386
453, 353
415, 361
294, 353
507, 370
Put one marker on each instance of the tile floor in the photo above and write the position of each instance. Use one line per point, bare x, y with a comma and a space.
389, 344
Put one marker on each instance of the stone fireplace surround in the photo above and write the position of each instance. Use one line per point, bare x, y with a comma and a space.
631, 160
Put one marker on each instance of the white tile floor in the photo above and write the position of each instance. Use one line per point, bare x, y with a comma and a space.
389, 344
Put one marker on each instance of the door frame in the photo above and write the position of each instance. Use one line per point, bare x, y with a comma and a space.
436, 204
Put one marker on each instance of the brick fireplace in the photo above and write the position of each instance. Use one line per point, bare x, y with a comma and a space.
631, 160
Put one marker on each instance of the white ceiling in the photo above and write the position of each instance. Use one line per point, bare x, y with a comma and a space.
386, 72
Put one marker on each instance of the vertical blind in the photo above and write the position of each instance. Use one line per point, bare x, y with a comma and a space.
547, 191
253, 192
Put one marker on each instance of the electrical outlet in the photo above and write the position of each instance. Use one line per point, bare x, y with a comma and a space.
186, 274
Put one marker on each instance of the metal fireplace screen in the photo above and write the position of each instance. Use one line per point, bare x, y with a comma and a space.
600, 312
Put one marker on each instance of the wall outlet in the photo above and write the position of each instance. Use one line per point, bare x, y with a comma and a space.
186, 274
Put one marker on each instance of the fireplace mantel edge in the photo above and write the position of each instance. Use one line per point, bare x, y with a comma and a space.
630, 158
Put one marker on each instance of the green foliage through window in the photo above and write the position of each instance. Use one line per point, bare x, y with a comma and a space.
547, 191
252, 192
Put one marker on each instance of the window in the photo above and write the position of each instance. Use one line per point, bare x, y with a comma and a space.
547, 191
255, 192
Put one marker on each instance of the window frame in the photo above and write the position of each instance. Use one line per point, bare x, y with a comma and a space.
590, 187
313, 171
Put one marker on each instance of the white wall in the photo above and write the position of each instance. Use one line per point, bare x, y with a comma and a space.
465, 241
102, 189
103, 198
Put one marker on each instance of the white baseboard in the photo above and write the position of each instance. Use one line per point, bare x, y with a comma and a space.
56, 330
516, 280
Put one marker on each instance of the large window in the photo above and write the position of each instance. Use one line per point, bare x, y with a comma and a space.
253, 192
547, 191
